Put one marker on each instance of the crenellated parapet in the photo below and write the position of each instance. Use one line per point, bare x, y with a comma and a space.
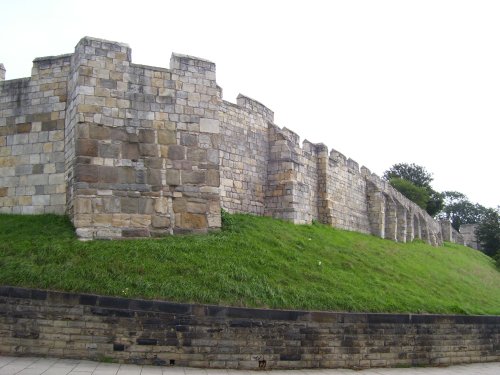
130, 150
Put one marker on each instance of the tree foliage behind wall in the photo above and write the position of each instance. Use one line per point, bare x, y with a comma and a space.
459, 210
416, 186
488, 232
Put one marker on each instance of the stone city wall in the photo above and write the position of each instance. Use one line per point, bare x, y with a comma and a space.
32, 113
133, 151
126, 150
66, 325
468, 232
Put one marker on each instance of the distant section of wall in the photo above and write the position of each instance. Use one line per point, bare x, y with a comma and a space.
306, 183
67, 325
32, 112
468, 232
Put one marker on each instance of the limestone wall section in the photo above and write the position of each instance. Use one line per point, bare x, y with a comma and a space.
468, 234
347, 191
145, 155
133, 151
244, 152
32, 113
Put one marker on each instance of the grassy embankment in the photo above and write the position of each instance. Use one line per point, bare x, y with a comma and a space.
255, 261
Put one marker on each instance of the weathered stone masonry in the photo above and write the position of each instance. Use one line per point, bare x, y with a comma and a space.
38, 322
133, 151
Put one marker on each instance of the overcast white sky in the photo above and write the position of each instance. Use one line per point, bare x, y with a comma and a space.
380, 81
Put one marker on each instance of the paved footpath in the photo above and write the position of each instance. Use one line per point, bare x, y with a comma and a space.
53, 366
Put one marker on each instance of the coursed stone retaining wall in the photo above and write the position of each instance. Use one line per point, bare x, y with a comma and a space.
67, 325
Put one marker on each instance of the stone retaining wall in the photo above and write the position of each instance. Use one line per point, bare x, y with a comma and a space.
67, 325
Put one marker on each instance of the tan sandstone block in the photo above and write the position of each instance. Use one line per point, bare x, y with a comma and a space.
160, 222
121, 220
193, 221
82, 220
102, 220
25, 200
140, 221
82, 206
7, 162
166, 137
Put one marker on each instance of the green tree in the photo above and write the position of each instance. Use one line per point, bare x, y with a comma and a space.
420, 178
414, 193
459, 210
488, 232
414, 173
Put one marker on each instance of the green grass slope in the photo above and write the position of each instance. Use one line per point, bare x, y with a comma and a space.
255, 261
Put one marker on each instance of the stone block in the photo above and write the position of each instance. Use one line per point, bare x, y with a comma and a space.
160, 222
197, 155
147, 149
154, 177
135, 233
146, 136
140, 221
173, 177
85, 233
56, 179
146, 206
130, 151
193, 177
86, 173
104, 233
154, 162
161, 205
192, 221
179, 205
117, 134
176, 152
82, 206
37, 179
86, 147
40, 200
23, 128
213, 156
126, 175
188, 139
213, 178
107, 150
167, 137
129, 205
109, 175
209, 126
102, 219
111, 204
49, 168
24, 169
57, 199
196, 207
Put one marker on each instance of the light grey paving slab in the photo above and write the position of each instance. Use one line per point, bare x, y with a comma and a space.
51, 366
61, 370
173, 370
32, 371
151, 370
43, 362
